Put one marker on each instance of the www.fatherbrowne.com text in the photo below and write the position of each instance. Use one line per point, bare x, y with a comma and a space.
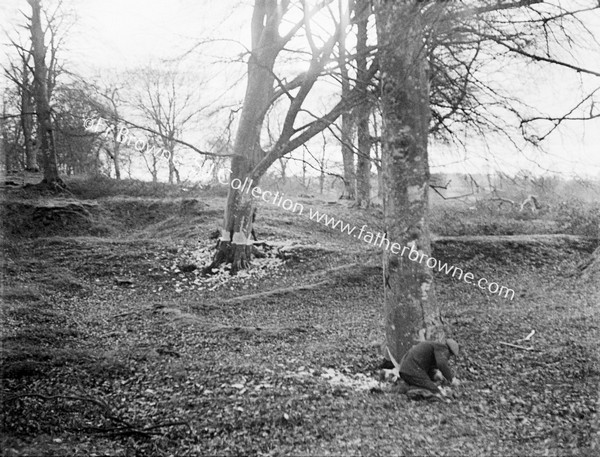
376, 239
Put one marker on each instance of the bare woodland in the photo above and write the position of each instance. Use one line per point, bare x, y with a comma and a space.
343, 107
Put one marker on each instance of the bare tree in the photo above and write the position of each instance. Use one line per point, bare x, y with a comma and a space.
410, 307
264, 88
363, 166
105, 101
432, 58
20, 74
77, 103
42, 89
48, 28
166, 100
11, 130
347, 122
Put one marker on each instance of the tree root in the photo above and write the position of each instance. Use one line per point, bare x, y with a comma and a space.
274, 292
126, 428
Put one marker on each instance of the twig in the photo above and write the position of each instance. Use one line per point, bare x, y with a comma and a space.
127, 314
527, 338
525, 348
126, 429
166, 424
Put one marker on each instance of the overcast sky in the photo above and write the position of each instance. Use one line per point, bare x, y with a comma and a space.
125, 33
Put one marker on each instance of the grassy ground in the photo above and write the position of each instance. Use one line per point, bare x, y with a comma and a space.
109, 348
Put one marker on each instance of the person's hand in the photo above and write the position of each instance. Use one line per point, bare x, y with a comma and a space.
438, 376
388, 375
445, 391
455, 382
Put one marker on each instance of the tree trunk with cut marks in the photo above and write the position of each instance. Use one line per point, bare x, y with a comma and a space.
411, 310
235, 244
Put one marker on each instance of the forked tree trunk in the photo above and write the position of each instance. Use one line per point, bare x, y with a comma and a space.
411, 311
235, 245
40, 78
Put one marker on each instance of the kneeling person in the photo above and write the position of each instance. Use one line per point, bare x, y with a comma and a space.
419, 365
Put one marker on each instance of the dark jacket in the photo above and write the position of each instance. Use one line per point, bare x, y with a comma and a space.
424, 358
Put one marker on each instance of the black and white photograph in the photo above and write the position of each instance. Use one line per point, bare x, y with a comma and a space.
299, 228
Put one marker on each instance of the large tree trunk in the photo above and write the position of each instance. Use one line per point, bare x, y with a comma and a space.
347, 128
411, 311
235, 244
27, 109
363, 166
40, 78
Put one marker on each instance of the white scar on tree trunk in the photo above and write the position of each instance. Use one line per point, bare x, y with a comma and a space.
240, 238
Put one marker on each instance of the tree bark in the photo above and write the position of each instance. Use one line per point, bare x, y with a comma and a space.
3, 150
235, 244
283, 165
348, 155
173, 171
411, 311
6, 158
27, 108
363, 166
347, 128
116, 159
40, 78
321, 180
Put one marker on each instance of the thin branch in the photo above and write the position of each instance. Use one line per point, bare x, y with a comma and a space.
176, 140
